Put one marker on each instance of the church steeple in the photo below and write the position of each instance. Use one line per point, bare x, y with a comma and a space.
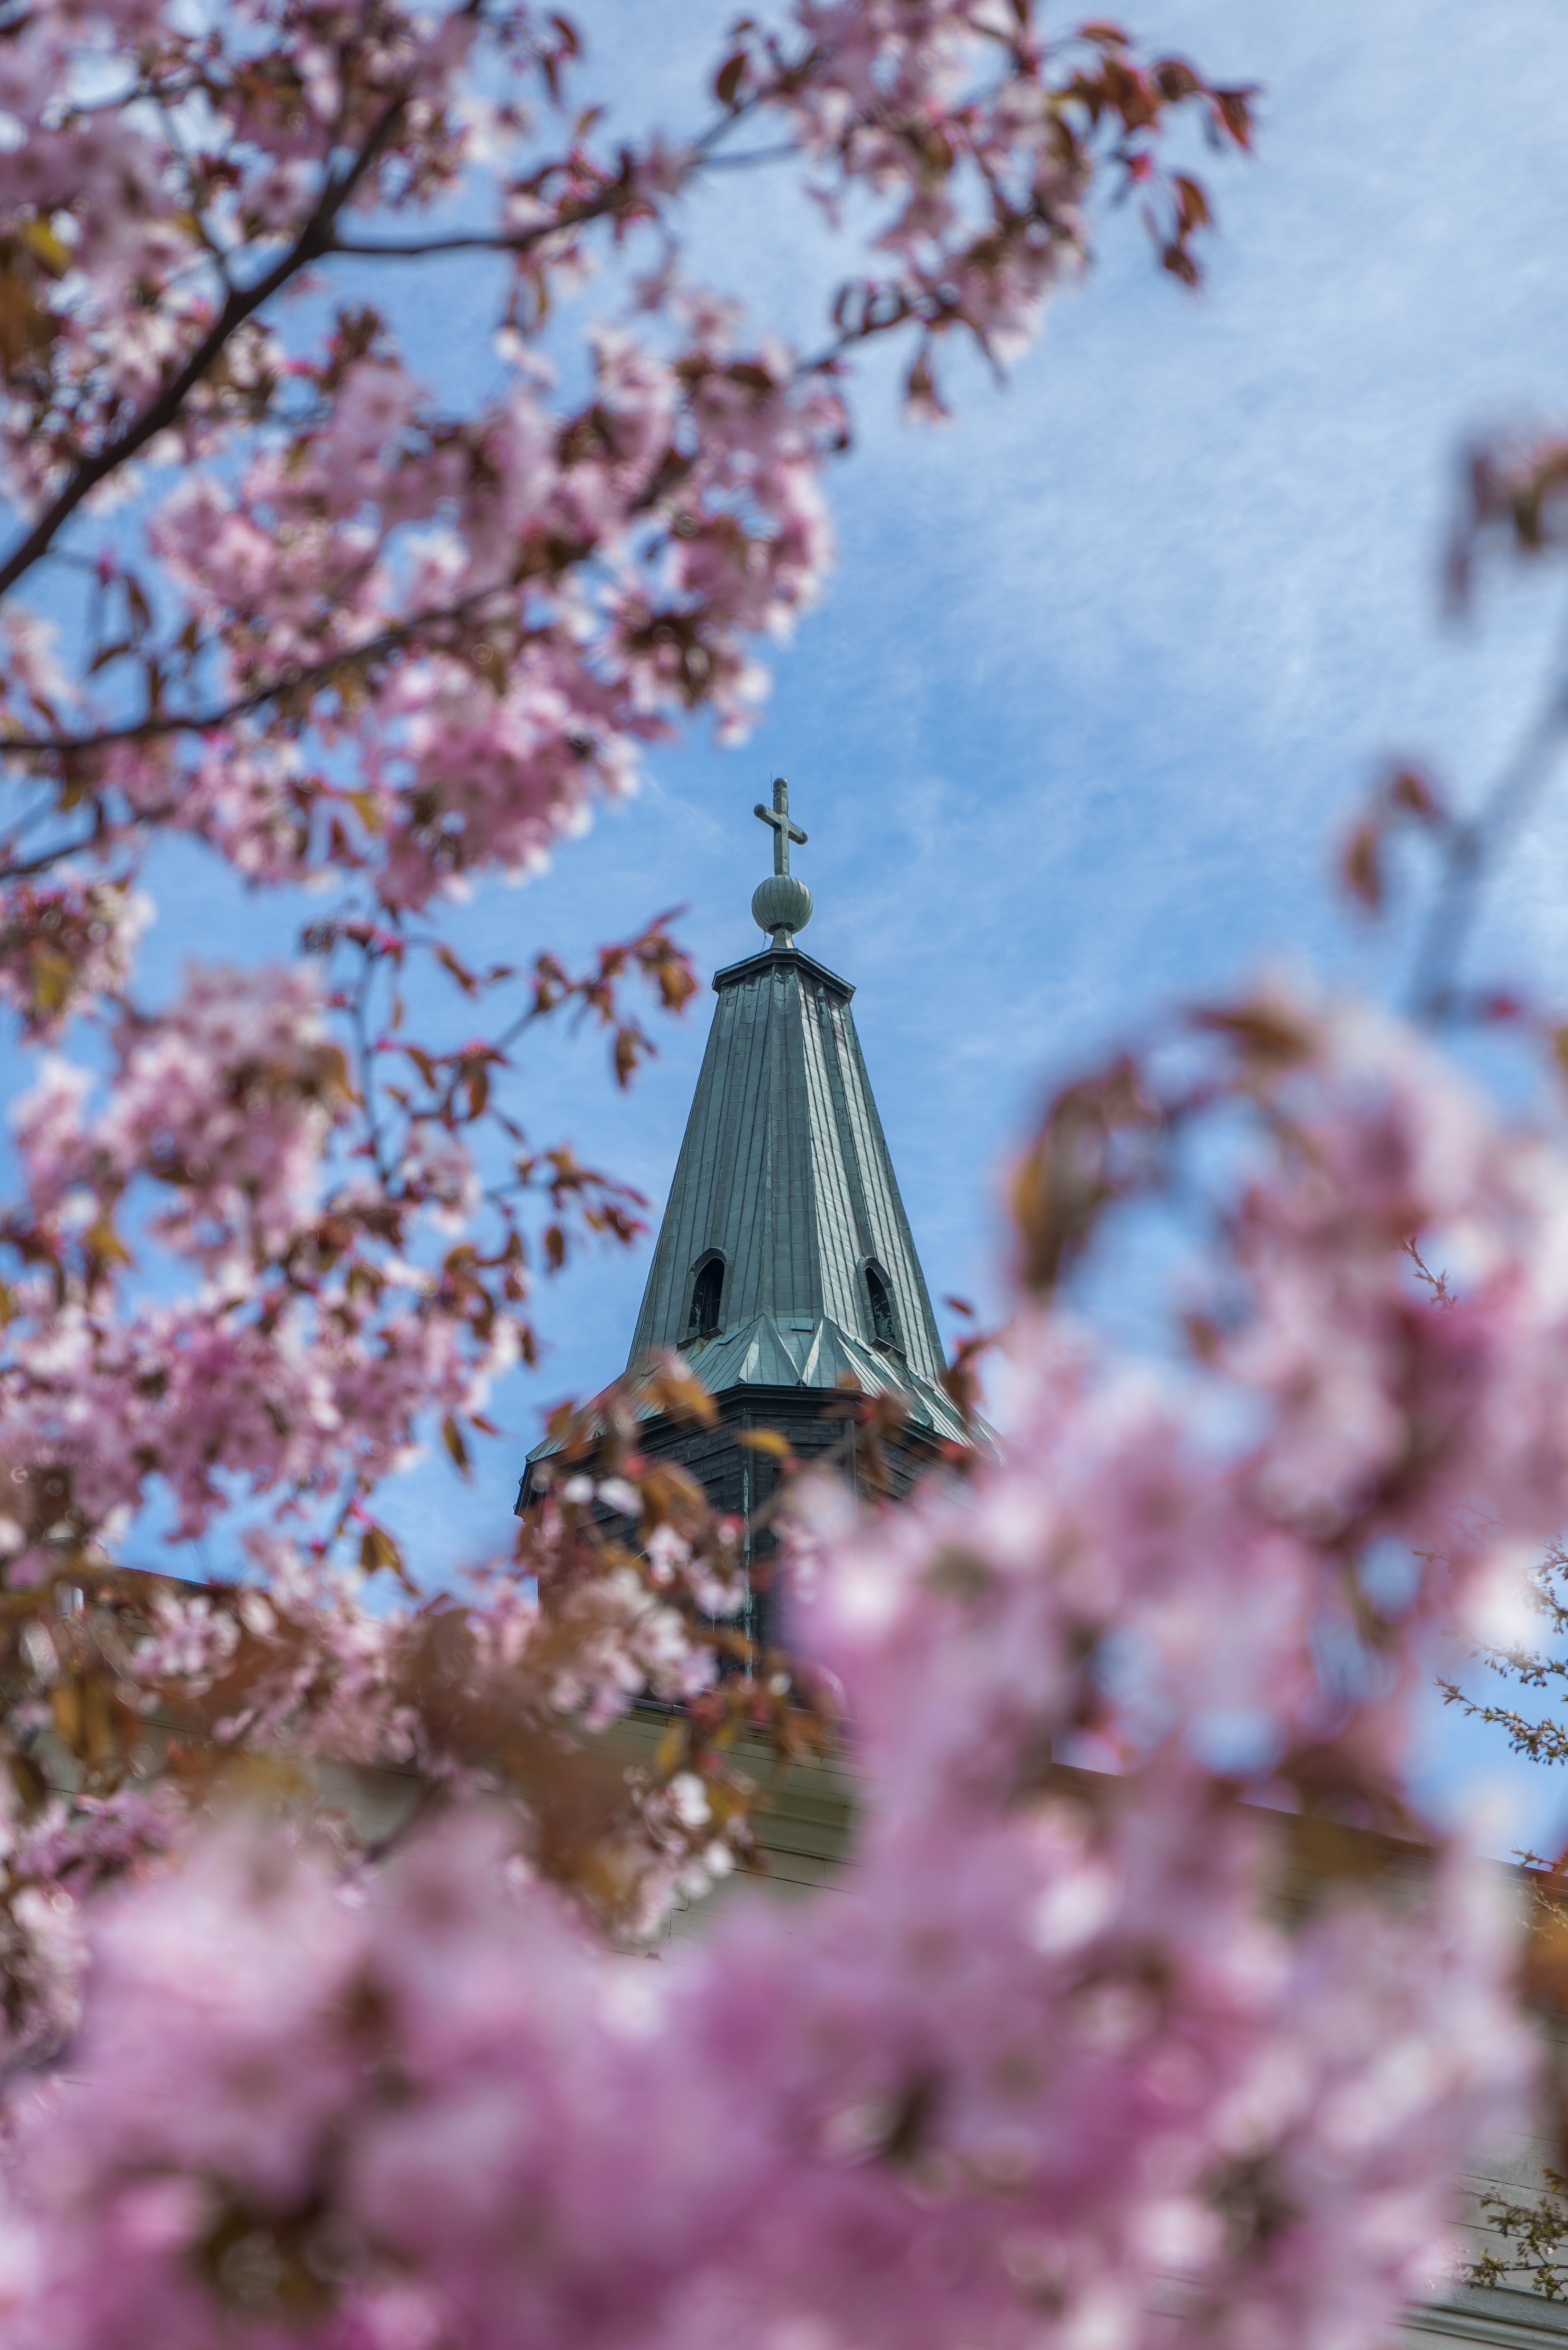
785, 1259
785, 1268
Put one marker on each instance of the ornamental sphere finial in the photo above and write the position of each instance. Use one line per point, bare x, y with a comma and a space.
781, 904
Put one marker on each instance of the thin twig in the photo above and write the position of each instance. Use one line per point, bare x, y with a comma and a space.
1474, 845
367, 1074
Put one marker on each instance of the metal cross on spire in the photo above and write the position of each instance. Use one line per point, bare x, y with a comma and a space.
781, 903
784, 828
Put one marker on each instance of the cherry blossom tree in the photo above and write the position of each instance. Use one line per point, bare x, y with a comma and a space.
1060, 2056
1059, 2062
264, 589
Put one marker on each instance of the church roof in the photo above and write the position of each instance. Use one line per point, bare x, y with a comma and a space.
761, 1355
784, 1257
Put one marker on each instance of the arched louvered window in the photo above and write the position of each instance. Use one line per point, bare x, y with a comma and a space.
884, 1331
707, 1293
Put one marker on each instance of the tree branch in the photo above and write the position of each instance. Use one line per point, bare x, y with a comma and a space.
1473, 846
205, 721
315, 239
356, 1011
416, 248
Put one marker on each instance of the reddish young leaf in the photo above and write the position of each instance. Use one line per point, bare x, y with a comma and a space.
1362, 864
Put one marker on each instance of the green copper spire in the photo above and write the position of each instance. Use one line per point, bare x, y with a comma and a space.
785, 1259
784, 904
784, 1270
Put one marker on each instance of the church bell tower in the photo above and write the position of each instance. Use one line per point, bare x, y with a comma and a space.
784, 1270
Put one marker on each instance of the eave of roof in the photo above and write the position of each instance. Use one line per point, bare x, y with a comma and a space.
820, 1356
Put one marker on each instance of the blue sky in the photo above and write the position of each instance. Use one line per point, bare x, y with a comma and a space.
1103, 665
1106, 663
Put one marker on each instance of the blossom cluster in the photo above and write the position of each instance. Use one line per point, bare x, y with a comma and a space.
334, 1312
131, 1703
1062, 2057
344, 633
528, 692
360, 629
227, 1099
66, 943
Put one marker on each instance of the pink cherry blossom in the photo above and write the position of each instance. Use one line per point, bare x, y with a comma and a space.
1054, 2060
1054, 2049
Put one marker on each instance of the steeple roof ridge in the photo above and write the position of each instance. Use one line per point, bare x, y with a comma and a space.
791, 958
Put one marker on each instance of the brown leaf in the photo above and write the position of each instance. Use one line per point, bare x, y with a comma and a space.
727, 80
1411, 792
678, 1393
101, 1723
66, 1704
671, 1495
962, 1573
1263, 1032
54, 977
1203, 1335
452, 1437
1362, 865
76, 787
105, 1242
920, 394
1174, 79
1192, 204
460, 971
26, 326
42, 242
1076, 1168
766, 1440
1236, 113
675, 979
377, 1550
